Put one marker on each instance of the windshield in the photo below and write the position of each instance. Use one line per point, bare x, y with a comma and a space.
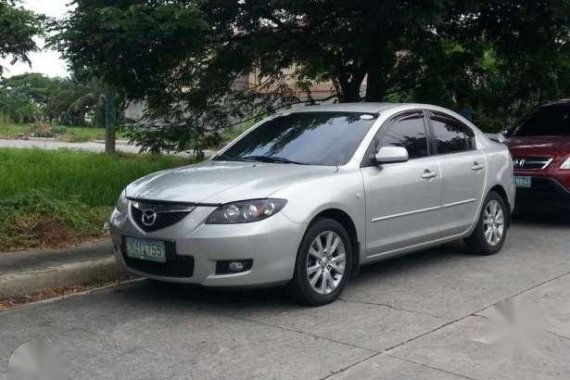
551, 120
310, 138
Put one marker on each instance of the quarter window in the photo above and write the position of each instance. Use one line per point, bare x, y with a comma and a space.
450, 135
407, 131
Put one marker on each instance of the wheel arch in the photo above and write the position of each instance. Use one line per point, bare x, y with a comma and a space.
346, 221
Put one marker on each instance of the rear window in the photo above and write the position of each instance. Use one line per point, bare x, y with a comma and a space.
551, 120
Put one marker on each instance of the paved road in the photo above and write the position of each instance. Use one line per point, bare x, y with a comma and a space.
428, 316
50, 144
91, 146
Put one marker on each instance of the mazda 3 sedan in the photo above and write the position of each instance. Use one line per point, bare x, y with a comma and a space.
307, 196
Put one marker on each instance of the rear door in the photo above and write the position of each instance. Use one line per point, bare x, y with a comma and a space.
402, 199
463, 172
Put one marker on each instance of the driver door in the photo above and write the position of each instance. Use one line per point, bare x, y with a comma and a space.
402, 199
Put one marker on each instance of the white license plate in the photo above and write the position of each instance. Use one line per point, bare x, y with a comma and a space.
150, 250
523, 182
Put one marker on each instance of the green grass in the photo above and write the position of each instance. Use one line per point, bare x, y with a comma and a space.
79, 134
53, 197
12, 131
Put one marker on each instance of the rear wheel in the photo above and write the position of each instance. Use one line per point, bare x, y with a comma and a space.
491, 231
323, 264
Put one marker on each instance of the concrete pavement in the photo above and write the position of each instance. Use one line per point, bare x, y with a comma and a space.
90, 146
431, 315
52, 144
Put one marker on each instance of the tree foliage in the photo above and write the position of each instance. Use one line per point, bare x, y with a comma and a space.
18, 27
183, 57
31, 97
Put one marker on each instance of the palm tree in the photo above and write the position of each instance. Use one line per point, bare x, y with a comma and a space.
75, 99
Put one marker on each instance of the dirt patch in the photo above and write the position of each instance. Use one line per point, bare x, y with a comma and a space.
38, 230
52, 293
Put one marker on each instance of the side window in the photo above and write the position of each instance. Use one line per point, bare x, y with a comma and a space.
408, 131
450, 135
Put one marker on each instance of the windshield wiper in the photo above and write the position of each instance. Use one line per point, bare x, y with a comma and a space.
225, 157
274, 159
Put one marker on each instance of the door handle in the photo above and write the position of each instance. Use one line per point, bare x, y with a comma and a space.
428, 174
477, 166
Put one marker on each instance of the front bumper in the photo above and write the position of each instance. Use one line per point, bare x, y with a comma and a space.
545, 193
272, 245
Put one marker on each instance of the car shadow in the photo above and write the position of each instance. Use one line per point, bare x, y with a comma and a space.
544, 218
239, 300
234, 300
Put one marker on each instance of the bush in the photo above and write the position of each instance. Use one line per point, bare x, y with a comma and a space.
42, 129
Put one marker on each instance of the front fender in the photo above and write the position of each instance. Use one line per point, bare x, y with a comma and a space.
343, 190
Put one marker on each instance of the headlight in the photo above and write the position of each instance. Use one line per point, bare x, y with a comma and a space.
246, 211
121, 204
566, 164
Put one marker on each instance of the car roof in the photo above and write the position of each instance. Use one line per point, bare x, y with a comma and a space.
367, 107
344, 107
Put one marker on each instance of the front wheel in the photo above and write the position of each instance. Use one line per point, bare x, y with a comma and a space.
324, 262
491, 231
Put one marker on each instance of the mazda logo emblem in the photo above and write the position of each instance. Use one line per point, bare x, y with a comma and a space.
148, 217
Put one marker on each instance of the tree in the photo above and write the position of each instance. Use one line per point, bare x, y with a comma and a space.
183, 57
74, 99
24, 98
18, 27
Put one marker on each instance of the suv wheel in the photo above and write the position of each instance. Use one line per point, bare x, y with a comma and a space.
324, 262
491, 231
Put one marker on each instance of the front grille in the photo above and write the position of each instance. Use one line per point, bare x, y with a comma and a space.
181, 267
175, 266
154, 216
531, 163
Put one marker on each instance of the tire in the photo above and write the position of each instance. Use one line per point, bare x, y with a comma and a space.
306, 287
491, 231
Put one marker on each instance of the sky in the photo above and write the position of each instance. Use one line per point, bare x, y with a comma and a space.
48, 62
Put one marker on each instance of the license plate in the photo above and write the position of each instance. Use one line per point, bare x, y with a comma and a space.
523, 182
150, 250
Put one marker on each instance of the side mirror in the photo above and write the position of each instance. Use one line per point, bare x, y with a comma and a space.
391, 154
497, 137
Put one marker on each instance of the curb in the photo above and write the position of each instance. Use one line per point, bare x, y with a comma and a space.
65, 273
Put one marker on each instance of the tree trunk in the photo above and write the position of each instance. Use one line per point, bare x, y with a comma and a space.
350, 91
110, 121
375, 87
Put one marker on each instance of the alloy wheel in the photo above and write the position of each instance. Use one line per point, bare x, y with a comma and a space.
326, 262
493, 222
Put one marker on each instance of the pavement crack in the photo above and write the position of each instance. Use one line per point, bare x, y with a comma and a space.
290, 329
392, 307
558, 335
350, 366
432, 367
531, 288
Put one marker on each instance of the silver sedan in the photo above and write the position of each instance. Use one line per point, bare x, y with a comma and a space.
308, 195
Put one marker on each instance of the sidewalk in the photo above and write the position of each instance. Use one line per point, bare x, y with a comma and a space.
36, 270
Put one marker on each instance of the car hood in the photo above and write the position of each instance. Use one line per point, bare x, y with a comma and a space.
545, 146
222, 181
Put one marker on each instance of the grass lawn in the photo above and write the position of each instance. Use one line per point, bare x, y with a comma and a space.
54, 198
12, 131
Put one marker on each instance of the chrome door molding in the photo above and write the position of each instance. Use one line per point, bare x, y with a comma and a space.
420, 211
423, 210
